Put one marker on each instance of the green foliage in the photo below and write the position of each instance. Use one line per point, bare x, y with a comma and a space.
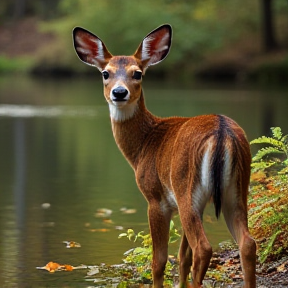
141, 256
122, 25
278, 145
12, 65
268, 215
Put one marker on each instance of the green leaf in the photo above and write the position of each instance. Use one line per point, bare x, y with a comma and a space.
276, 131
265, 151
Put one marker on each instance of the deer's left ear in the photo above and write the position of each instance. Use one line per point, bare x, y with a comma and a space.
155, 46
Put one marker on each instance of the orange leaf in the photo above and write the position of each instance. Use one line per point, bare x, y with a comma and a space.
99, 230
52, 267
68, 267
72, 244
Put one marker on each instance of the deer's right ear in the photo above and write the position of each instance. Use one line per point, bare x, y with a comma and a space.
90, 49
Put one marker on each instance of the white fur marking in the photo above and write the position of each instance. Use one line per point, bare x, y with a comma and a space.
206, 168
153, 55
202, 193
146, 48
85, 48
100, 48
122, 112
169, 202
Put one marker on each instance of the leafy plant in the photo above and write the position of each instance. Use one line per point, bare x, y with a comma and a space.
268, 202
268, 216
141, 256
278, 144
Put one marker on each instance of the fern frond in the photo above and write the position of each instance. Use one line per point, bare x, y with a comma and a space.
285, 139
268, 140
276, 131
265, 151
256, 166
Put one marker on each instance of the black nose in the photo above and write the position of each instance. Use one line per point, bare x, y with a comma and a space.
119, 93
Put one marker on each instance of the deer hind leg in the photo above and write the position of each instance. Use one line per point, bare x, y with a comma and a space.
159, 221
201, 248
185, 257
236, 218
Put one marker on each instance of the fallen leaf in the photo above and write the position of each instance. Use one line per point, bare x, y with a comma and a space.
53, 267
45, 205
119, 227
108, 221
99, 230
282, 267
67, 267
257, 176
72, 244
50, 267
103, 212
93, 271
129, 211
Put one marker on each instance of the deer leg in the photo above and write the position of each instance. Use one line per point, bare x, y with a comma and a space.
159, 221
201, 248
185, 256
237, 223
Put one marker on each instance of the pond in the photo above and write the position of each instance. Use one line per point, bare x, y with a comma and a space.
59, 165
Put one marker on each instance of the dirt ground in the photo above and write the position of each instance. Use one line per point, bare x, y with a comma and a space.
273, 274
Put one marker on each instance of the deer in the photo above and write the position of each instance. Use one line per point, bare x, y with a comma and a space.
180, 163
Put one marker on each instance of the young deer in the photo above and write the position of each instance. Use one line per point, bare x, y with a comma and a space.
179, 163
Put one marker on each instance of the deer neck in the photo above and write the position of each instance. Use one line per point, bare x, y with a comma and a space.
130, 127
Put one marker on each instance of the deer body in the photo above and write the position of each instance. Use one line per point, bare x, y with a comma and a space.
180, 163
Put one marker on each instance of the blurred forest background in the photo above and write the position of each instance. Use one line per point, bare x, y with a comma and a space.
213, 40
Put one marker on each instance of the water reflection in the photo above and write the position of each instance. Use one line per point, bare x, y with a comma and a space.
59, 149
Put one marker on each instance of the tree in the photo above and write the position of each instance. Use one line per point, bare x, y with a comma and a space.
269, 39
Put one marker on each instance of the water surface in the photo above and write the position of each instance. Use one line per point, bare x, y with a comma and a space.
57, 147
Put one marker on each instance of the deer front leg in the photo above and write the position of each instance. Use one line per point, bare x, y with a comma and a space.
159, 221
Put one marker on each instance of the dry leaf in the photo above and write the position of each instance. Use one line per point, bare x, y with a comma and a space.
67, 267
128, 211
53, 267
103, 212
99, 230
72, 244
108, 221
50, 267
45, 205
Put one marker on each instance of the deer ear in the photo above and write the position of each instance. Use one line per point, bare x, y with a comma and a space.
90, 49
155, 46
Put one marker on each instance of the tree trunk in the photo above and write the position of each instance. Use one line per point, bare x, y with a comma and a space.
269, 40
19, 9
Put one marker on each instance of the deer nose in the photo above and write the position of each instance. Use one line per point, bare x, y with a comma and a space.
119, 93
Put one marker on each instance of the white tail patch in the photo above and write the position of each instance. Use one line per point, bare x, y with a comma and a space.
202, 194
206, 168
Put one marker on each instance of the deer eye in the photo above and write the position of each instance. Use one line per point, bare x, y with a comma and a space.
105, 74
137, 75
